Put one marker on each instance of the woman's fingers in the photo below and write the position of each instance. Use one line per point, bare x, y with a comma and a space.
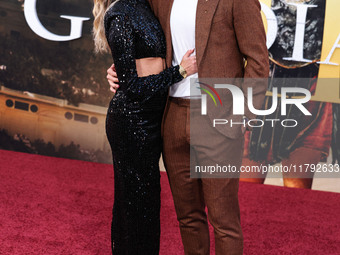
193, 58
188, 53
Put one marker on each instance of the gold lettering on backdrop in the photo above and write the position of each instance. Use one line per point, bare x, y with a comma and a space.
328, 90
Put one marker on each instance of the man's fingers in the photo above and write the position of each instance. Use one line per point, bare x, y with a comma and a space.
112, 78
111, 72
113, 85
112, 90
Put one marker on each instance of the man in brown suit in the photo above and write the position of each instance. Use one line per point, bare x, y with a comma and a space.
227, 34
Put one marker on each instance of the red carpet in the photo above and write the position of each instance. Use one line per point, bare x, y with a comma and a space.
60, 206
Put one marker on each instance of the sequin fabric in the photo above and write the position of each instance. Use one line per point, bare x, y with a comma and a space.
133, 126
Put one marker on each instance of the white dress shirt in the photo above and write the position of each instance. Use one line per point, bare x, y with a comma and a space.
182, 24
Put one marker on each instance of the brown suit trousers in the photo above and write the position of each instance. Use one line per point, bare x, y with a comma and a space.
192, 195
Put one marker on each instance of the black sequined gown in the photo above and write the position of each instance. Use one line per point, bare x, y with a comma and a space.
133, 126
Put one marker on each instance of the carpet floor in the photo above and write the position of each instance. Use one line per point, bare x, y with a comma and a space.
59, 206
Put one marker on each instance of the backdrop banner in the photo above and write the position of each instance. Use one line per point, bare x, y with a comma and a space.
54, 93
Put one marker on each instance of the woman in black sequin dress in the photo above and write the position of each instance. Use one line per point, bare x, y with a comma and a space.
133, 122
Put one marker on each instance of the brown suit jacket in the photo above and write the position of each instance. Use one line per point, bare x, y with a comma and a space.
228, 32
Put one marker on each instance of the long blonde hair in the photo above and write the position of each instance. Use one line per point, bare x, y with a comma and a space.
99, 9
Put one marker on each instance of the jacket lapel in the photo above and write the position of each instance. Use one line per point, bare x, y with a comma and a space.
204, 15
